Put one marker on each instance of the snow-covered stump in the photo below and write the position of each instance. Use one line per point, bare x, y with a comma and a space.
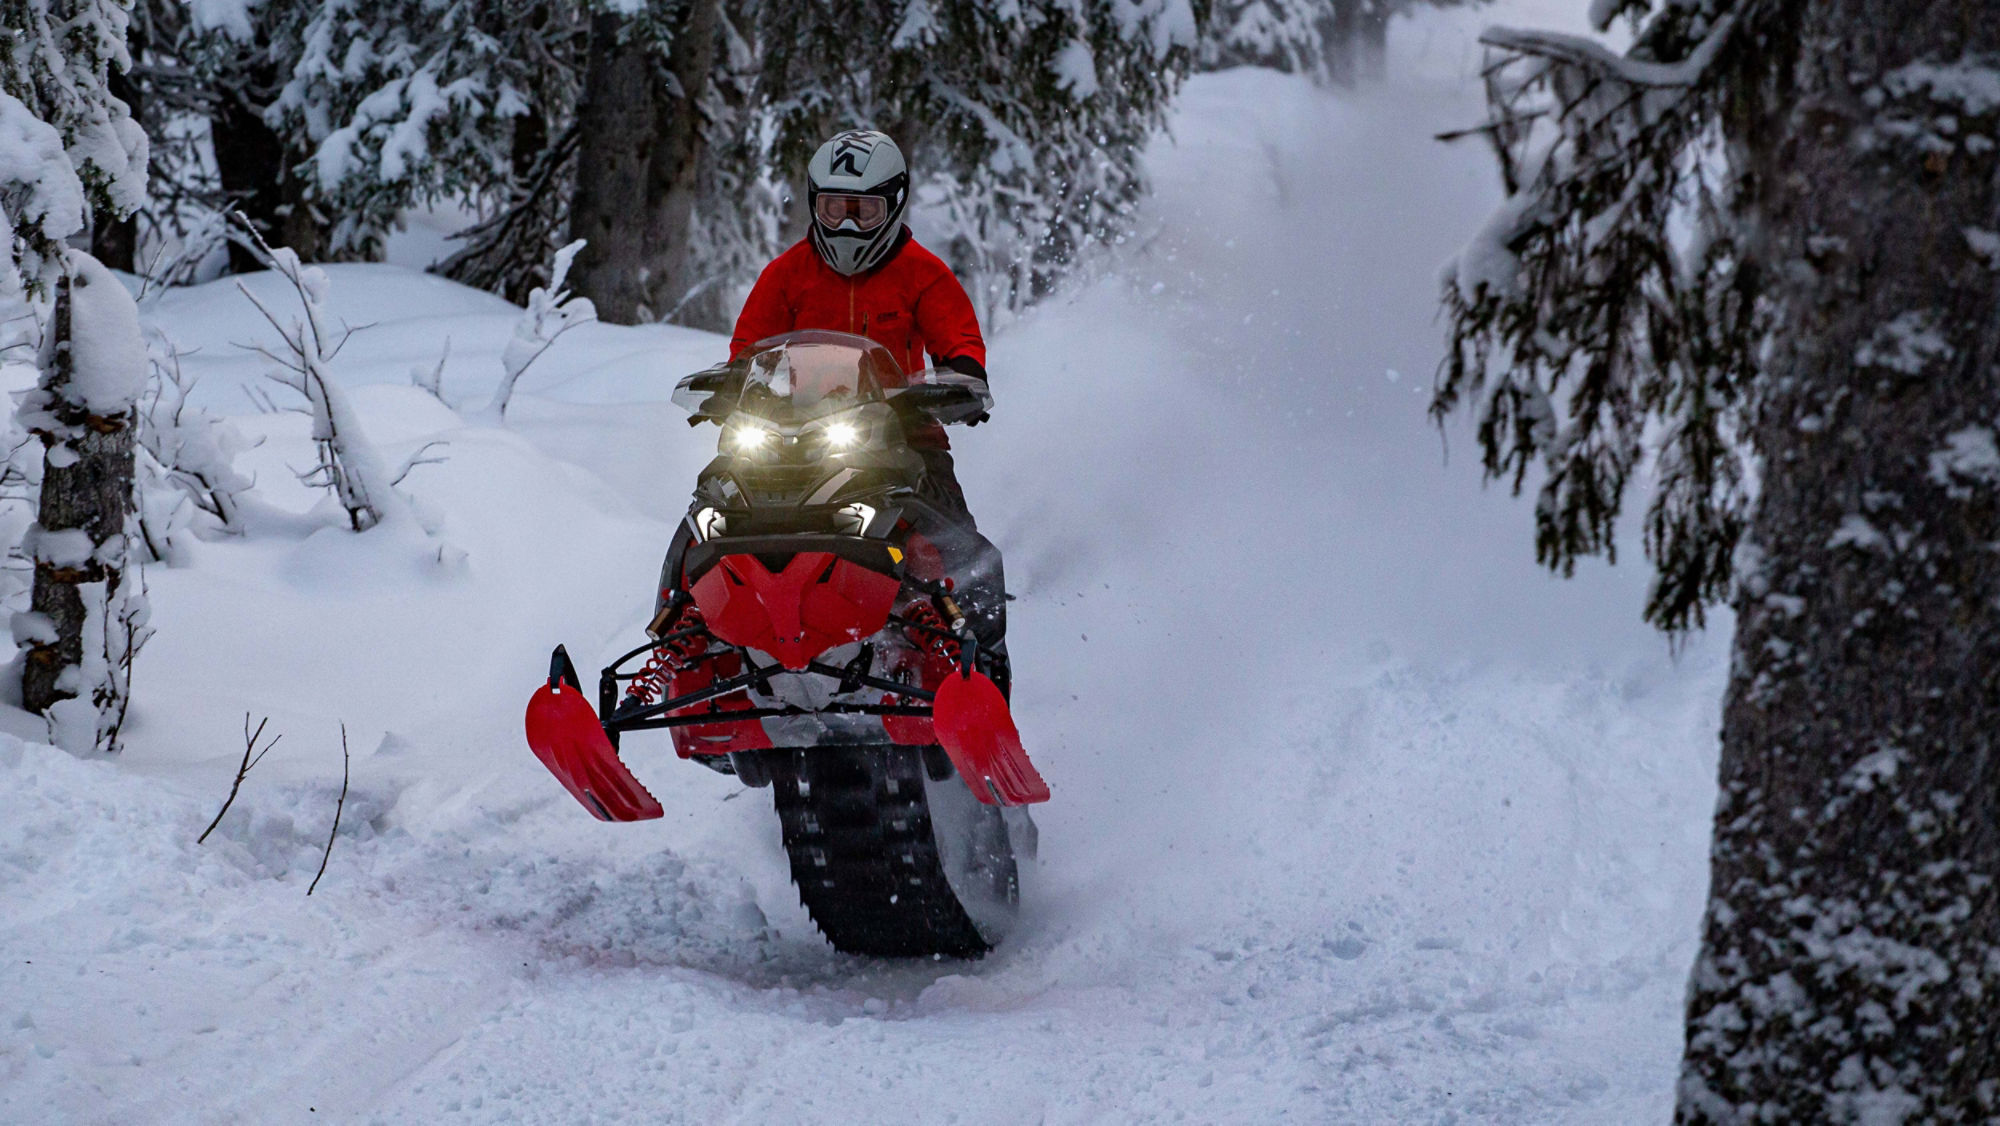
86, 613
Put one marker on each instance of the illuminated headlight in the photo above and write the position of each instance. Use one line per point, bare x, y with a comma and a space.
708, 523
842, 435
748, 437
854, 519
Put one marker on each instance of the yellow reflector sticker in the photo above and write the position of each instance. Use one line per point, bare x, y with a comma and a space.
895, 555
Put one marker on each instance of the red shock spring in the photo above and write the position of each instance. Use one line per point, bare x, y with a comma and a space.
934, 639
670, 658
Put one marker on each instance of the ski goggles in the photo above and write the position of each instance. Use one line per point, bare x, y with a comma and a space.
866, 212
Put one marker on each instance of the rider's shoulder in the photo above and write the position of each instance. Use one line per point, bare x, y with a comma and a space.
919, 261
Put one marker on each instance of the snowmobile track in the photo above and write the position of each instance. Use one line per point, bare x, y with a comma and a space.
864, 854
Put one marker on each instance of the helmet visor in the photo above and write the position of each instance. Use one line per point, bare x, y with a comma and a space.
866, 212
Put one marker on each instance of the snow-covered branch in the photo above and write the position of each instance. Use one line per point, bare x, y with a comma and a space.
192, 451
1604, 297
551, 312
350, 467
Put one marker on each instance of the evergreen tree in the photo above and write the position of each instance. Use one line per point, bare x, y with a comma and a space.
405, 103
1764, 245
69, 151
642, 145
56, 62
240, 58
1330, 41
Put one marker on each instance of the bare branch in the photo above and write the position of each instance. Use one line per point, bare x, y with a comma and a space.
338, 806
249, 762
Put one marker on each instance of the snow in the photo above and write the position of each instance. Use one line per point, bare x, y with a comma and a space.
1907, 344
1359, 816
1969, 454
1972, 87
38, 186
108, 348
1855, 531
1986, 244
230, 17
1076, 70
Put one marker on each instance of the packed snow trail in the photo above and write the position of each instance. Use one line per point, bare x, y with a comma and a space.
1358, 817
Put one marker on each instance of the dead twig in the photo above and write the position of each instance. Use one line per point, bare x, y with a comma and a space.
325, 856
249, 760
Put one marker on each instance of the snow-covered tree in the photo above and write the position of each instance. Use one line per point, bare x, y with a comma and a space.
1330, 41
1756, 258
69, 151
402, 103
1023, 122
56, 62
240, 56
1286, 35
87, 616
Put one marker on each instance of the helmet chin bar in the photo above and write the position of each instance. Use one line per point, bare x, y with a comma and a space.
849, 253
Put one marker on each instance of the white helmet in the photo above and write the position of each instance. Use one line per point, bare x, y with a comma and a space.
858, 188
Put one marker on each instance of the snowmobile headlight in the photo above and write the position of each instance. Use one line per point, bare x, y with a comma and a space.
749, 437
842, 435
708, 523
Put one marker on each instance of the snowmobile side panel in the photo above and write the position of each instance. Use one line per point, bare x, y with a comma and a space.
813, 602
975, 728
564, 733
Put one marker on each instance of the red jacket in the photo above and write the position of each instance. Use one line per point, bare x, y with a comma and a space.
910, 304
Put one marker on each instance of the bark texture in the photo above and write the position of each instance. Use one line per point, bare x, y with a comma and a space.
94, 493
257, 175
638, 165
1850, 961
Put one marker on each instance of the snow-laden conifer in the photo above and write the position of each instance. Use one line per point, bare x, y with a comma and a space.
1753, 251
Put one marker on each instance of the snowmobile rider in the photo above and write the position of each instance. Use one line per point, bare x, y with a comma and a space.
858, 270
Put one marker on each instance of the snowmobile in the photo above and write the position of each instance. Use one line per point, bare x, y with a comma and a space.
826, 629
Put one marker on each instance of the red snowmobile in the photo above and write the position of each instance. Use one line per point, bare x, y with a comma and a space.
828, 630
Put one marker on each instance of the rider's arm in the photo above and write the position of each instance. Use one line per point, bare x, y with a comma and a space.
766, 312
949, 326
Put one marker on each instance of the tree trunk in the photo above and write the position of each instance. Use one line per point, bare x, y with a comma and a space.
638, 166
1339, 30
1371, 42
1850, 954
91, 491
256, 174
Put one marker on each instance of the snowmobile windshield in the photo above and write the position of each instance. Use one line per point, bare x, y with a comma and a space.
795, 378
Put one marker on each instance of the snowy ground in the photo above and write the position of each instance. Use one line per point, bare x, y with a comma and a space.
1359, 817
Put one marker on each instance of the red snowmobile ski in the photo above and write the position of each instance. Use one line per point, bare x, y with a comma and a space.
825, 627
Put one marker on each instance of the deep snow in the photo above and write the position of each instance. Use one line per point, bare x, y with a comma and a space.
1358, 817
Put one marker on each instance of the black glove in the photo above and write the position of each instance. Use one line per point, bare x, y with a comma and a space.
965, 365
